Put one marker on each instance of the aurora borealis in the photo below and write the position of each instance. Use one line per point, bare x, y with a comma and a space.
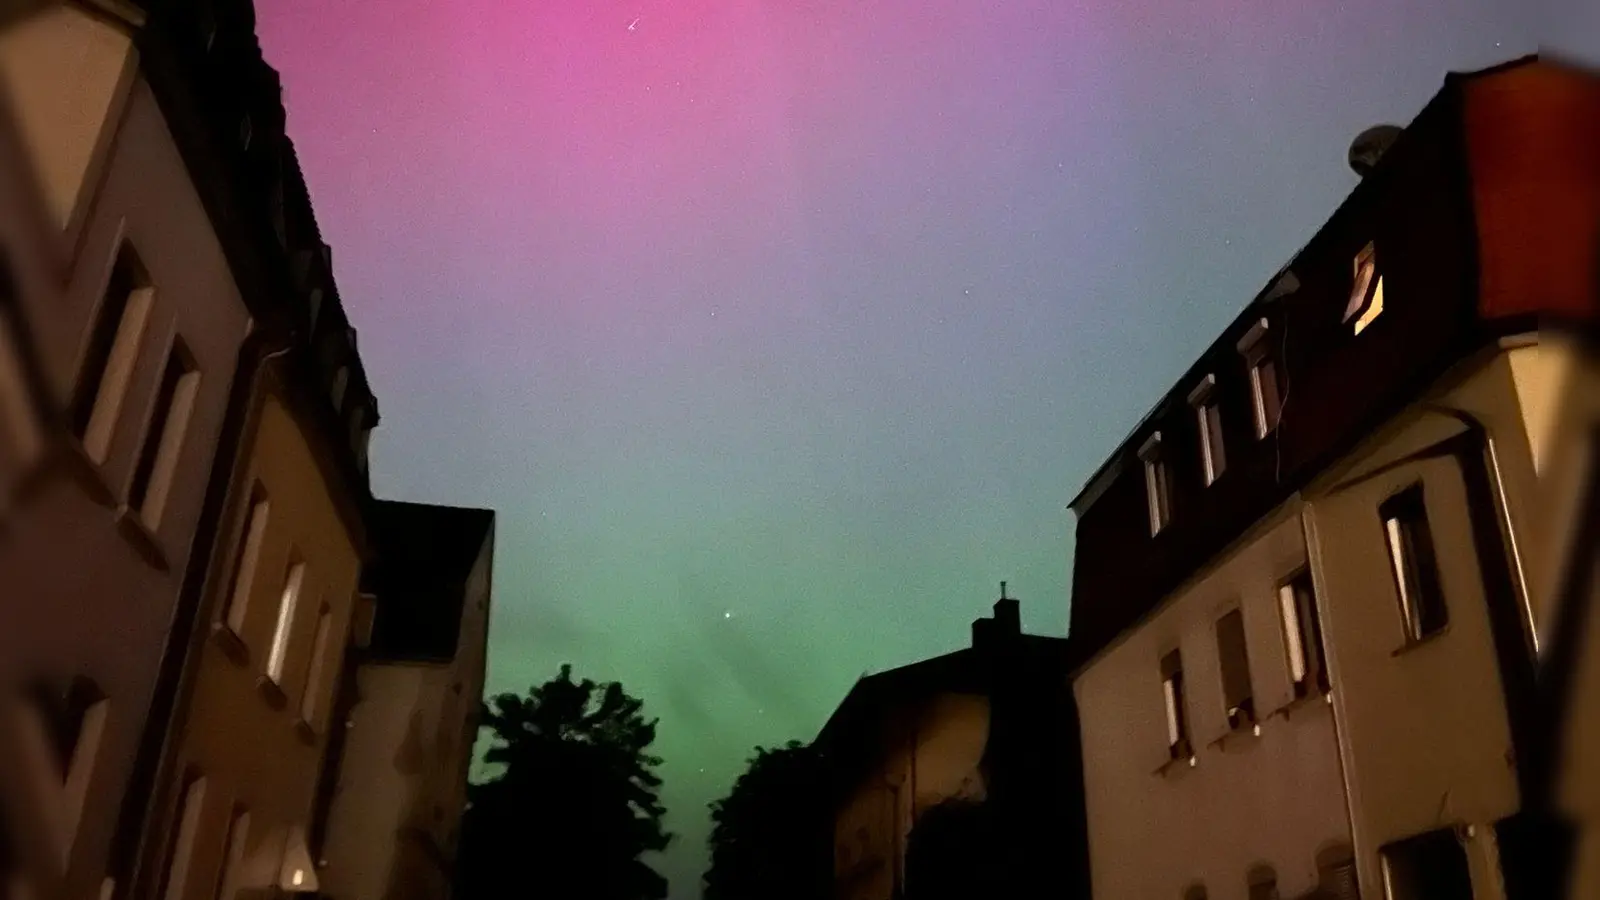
779, 333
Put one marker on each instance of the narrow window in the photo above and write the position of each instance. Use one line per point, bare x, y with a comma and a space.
1336, 873
1178, 746
1366, 291
234, 849
1208, 422
280, 633
1302, 636
163, 438
310, 699
180, 855
1156, 487
1235, 657
1413, 563
1430, 866
1265, 398
112, 348
244, 567
341, 380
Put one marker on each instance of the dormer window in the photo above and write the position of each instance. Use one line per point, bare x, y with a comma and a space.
1366, 290
1156, 483
1208, 419
1265, 398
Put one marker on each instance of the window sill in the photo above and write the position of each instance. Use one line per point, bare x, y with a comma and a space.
1301, 705
304, 731
1414, 643
271, 692
1230, 739
142, 538
1177, 765
232, 646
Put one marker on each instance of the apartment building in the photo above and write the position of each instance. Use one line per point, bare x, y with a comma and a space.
1305, 586
396, 791
136, 326
990, 724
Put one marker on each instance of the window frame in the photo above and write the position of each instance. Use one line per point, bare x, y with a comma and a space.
1240, 710
1301, 624
1261, 365
1157, 484
1203, 401
1414, 563
1180, 743
294, 584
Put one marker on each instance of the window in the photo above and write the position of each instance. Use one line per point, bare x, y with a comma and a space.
1366, 291
309, 700
163, 438
1413, 563
1235, 658
112, 348
244, 568
1263, 883
1431, 866
1302, 635
1178, 746
1265, 400
1155, 484
180, 855
341, 380
1336, 873
234, 844
1195, 892
1208, 418
68, 714
280, 633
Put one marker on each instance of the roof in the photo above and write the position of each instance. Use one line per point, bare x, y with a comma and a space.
1282, 284
425, 554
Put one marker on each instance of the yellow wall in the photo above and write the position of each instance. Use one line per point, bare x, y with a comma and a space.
252, 754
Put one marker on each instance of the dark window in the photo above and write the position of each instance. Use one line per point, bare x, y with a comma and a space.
62, 709
249, 557
1158, 496
163, 439
1302, 635
1178, 745
128, 278
1265, 394
1213, 459
1413, 563
1263, 883
1336, 874
1234, 655
1431, 866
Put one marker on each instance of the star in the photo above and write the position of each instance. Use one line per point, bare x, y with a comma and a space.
727, 615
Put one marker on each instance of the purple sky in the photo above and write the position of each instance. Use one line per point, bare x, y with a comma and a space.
779, 333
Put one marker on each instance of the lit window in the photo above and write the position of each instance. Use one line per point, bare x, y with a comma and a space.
1302, 635
1208, 420
1234, 655
110, 354
280, 634
1155, 484
163, 439
1413, 563
1178, 746
1366, 291
180, 855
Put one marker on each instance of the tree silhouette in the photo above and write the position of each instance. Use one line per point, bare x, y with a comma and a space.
771, 837
574, 805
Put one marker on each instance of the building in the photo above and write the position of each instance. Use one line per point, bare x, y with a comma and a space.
990, 724
136, 325
393, 811
1308, 586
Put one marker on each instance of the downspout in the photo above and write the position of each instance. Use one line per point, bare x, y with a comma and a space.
140, 820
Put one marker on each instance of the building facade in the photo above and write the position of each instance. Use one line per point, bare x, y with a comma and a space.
990, 727
393, 810
135, 341
1311, 577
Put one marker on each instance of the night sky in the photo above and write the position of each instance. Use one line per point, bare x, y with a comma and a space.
779, 333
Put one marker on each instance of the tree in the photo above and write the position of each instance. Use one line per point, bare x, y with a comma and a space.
574, 804
772, 836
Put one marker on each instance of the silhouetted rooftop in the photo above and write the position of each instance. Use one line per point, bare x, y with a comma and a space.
425, 555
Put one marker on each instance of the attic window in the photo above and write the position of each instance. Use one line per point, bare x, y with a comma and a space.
1366, 290
1155, 483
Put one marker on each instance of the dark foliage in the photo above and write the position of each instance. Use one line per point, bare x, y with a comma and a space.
574, 806
770, 837
953, 853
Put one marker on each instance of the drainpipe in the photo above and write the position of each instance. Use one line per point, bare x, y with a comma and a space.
141, 818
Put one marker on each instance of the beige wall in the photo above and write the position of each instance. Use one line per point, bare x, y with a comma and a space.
1427, 742
259, 745
101, 579
1275, 799
932, 758
405, 764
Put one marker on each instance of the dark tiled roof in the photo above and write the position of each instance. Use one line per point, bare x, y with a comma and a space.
424, 556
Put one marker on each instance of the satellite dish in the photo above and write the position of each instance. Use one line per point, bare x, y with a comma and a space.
1370, 145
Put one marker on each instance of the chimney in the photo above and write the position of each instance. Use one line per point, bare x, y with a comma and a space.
1007, 615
